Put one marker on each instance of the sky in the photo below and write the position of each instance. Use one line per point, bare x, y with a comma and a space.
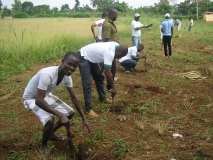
59, 3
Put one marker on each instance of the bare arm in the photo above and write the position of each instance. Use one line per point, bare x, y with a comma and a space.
146, 26
77, 106
110, 82
75, 102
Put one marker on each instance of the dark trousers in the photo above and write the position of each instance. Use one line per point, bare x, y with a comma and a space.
129, 64
113, 69
167, 45
90, 71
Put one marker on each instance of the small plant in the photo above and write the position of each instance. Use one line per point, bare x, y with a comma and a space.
99, 135
17, 155
120, 148
153, 104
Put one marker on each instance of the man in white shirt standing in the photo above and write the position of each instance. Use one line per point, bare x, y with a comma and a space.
96, 28
130, 60
39, 99
136, 30
91, 56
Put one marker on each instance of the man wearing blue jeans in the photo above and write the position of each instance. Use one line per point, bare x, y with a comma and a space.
136, 30
91, 56
130, 60
167, 30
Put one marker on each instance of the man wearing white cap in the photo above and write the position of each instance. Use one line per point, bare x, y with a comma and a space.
167, 30
136, 30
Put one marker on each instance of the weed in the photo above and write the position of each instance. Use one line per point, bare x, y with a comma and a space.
120, 148
13, 155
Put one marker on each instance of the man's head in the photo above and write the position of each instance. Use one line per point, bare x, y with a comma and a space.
167, 16
137, 16
70, 62
121, 51
113, 14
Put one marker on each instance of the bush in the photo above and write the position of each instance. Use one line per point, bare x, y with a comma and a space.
80, 15
20, 15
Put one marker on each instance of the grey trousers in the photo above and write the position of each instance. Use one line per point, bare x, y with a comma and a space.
91, 71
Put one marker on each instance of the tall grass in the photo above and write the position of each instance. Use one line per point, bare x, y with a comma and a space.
27, 42
24, 42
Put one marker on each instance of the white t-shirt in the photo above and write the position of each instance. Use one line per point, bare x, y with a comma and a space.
136, 24
99, 24
101, 52
132, 52
45, 79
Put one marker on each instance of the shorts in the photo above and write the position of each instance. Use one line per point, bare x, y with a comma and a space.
54, 102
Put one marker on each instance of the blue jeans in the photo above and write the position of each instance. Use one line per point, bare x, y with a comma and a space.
129, 64
136, 41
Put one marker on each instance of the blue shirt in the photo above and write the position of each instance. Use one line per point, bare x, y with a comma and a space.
167, 26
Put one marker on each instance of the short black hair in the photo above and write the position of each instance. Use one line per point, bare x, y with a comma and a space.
75, 55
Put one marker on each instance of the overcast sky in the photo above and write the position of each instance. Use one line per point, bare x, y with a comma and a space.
58, 3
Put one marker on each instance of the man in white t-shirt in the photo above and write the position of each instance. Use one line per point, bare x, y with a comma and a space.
91, 56
96, 28
136, 30
39, 99
130, 60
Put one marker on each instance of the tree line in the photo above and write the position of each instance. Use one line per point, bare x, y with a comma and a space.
28, 9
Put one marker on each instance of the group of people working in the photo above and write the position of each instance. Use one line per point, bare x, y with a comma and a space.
96, 61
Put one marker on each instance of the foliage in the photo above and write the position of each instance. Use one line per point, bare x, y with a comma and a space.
186, 8
27, 7
103, 5
17, 7
120, 148
65, 8
121, 7
5, 12
77, 4
1, 4
41, 9
20, 14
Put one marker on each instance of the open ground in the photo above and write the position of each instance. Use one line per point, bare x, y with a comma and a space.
156, 103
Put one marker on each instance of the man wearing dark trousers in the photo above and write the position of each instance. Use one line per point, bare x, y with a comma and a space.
91, 56
167, 30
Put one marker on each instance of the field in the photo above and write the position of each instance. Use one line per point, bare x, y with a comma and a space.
156, 102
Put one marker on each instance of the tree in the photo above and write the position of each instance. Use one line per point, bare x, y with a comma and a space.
102, 5
121, 7
41, 10
17, 7
5, 12
27, 7
65, 8
77, 4
0, 4
163, 7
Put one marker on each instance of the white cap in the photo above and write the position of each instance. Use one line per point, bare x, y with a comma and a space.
137, 15
167, 15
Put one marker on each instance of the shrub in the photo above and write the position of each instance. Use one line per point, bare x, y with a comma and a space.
20, 14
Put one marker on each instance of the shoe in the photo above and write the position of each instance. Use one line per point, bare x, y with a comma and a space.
127, 71
115, 79
92, 113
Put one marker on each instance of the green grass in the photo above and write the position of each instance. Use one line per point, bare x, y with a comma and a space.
25, 43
